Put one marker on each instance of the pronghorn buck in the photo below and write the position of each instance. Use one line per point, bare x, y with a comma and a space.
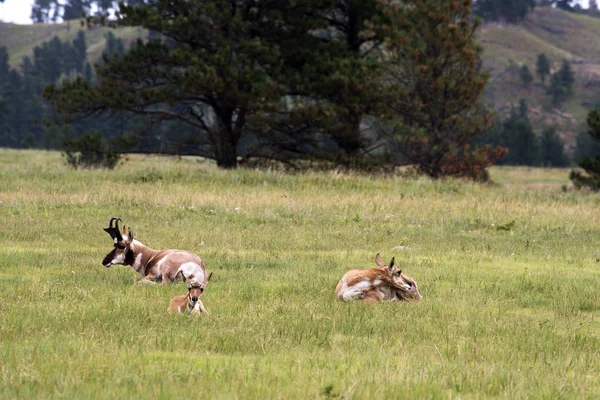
191, 301
154, 265
377, 284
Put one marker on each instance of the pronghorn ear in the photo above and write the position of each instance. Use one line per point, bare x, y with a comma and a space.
379, 261
392, 262
130, 234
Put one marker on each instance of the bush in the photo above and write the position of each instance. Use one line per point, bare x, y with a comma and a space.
591, 165
90, 151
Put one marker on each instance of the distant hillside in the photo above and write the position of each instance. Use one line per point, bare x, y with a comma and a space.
558, 34
21, 39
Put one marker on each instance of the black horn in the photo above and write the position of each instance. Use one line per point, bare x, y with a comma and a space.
113, 231
117, 231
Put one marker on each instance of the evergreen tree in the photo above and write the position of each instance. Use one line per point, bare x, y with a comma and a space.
348, 81
566, 5
593, 8
511, 11
525, 75
561, 84
516, 134
114, 45
567, 77
551, 148
45, 11
433, 105
591, 165
76, 9
542, 67
80, 47
224, 64
557, 90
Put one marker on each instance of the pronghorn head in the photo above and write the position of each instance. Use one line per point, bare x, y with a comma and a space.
407, 287
195, 289
121, 254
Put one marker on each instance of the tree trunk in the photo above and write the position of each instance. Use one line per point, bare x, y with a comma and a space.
226, 141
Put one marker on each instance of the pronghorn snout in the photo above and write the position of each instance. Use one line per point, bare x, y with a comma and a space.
107, 262
194, 299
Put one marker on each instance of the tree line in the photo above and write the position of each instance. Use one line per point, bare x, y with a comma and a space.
341, 81
348, 82
514, 11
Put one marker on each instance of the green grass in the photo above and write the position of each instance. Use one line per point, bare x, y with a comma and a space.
508, 272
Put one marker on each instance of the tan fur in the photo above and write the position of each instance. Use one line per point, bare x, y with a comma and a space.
377, 284
185, 302
155, 265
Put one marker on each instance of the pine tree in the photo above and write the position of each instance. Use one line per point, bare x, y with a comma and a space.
76, 9
561, 84
542, 67
591, 165
511, 11
525, 75
433, 104
551, 148
224, 64
80, 47
567, 77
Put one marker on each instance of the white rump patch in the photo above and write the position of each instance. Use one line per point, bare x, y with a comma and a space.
191, 268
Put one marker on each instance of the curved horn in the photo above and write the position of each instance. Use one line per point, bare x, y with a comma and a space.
116, 229
111, 229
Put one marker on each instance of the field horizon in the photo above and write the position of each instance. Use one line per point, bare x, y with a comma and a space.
509, 275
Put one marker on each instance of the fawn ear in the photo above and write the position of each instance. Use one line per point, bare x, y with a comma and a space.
392, 262
130, 234
379, 261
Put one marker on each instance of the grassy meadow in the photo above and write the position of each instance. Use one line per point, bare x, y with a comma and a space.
509, 274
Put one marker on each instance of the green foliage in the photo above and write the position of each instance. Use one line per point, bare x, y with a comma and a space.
433, 102
25, 110
516, 134
90, 151
511, 11
214, 76
525, 75
542, 67
551, 149
590, 164
45, 11
561, 84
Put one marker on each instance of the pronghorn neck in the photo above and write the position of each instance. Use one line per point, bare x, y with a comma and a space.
141, 256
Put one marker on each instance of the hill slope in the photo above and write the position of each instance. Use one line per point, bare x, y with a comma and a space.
558, 34
20, 40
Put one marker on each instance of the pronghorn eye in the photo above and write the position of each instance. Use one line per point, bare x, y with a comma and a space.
119, 246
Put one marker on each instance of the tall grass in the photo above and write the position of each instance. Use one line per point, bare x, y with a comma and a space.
509, 275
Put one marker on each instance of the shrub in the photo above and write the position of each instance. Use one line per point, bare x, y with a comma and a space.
90, 151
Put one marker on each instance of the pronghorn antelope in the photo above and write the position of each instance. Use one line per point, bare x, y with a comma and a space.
154, 265
190, 301
377, 284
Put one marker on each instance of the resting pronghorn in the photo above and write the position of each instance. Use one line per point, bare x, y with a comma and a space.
377, 284
191, 301
153, 265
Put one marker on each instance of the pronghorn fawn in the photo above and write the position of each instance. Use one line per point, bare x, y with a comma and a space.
191, 301
377, 284
154, 265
